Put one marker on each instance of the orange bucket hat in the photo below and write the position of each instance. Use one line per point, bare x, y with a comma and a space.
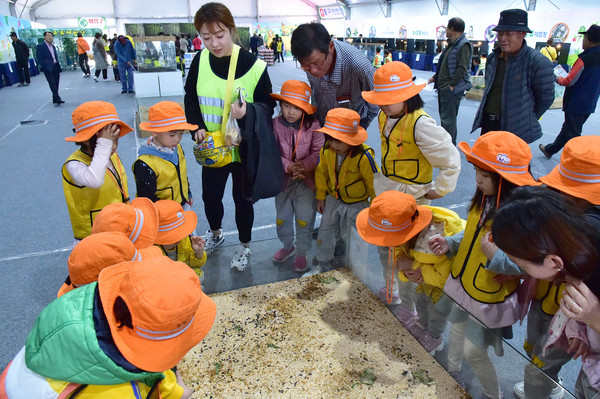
169, 312
296, 93
578, 173
174, 224
392, 219
343, 124
166, 116
503, 153
138, 220
89, 118
392, 84
97, 251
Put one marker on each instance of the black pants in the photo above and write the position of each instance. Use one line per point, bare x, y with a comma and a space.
116, 73
53, 78
280, 55
23, 71
572, 127
83, 63
213, 187
104, 73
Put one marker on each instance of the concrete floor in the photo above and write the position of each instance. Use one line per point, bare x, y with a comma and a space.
37, 237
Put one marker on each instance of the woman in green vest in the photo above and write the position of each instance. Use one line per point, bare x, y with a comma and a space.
208, 102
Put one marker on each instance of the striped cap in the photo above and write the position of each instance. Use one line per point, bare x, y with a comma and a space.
392, 84
174, 224
296, 93
166, 116
343, 124
89, 118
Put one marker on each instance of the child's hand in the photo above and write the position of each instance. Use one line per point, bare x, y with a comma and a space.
200, 135
414, 275
578, 348
320, 206
487, 246
298, 176
438, 245
403, 263
301, 169
111, 132
187, 391
197, 243
293, 168
432, 194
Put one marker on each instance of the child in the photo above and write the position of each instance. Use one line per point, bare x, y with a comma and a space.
160, 170
388, 56
175, 228
299, 145
98, 251
377, 59
93, 176
116, 337
396, 221
137, 220
501, 161
412, 145
343, 180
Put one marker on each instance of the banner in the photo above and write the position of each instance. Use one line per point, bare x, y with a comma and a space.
91, 22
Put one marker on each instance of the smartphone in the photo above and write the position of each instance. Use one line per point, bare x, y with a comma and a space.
240, 100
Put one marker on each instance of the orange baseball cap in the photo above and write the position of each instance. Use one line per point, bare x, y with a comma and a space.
578, 173
504, 153
89, 118
166, 116
174, 224
296, 93
343, 124
392, 84
138, 220
169, 312
392, 219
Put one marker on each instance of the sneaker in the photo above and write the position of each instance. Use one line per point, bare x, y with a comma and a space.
300, 265
131, 91
313, 271
543, 150
241, 258
95, 79
284, 254
557, 391
123, 91
382, 295
460, 379
21, 84
212, 241
26, 84
406, 317
431, 345
415, 328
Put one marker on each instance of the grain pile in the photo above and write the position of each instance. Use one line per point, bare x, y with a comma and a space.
324, 336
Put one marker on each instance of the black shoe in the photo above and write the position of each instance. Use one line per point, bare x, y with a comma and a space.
543, 150
58, 102
131, 91
123, 91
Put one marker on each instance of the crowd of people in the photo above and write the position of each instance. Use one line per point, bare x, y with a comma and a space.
528, 249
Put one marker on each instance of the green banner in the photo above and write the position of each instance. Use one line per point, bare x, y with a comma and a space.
60, 32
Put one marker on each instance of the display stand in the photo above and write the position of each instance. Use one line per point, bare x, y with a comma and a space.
267, 55
143, 104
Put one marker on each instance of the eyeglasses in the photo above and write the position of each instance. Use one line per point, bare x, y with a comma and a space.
314, 65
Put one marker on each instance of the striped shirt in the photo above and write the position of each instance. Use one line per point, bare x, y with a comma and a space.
351, 74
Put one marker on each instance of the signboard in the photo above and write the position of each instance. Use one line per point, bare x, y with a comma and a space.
332, 12
62, 32
91, 22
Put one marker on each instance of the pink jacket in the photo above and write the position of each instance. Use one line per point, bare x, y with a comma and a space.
308, 145
562, 328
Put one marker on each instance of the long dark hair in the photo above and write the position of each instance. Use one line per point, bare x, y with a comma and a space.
354, 149
479, 199
536, 221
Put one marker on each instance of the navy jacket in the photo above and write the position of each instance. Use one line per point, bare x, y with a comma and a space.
581, 94
527, 92
45, 58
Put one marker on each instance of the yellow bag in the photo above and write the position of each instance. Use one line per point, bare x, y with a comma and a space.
212, 151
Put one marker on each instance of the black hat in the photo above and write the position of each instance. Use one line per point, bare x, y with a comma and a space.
15, 34
593, 33
513, 20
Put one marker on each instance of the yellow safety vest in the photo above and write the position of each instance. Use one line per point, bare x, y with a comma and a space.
468, 265
549, 295
171, 180
84, 203
401, 157
377, 61
211, 94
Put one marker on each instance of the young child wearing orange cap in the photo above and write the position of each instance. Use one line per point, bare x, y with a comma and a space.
483, 280
115, 338
299, 145
412, 145
160, 170
343, 180
175, 228
394, 220
93, 176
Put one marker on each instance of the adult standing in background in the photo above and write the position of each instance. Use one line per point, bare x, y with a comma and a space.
254, 44
337, 72
47, 58
100, 57
205, 95
197, 43
519, 82
548, 51
452, 77
125, 60
183, 44
82, 48
22, 57
582, 92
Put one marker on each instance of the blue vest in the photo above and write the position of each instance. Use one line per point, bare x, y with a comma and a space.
452, 54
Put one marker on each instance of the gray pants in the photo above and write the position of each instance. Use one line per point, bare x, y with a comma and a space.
583, 388
448, 103
335, 222
296, 203
433, 316
406, 290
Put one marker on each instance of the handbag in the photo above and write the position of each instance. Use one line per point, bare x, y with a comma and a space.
213, 151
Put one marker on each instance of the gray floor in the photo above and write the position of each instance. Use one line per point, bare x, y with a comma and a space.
36, 234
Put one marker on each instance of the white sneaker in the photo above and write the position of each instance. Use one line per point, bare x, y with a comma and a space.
557, 391
313, 271
241, 258
431, 345
212, 241
382, 295
95, 79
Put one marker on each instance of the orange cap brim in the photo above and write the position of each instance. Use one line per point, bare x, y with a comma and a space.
392, 97
180, 232
303, 105
350, 139
162, 129
375, 236
588, 191
88, 133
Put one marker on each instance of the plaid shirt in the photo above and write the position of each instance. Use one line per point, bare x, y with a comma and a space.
352, 74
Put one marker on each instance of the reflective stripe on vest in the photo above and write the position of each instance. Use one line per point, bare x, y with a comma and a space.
401, 158
171, 183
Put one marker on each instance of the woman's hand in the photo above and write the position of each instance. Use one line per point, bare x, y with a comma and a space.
200, 135
579, 303
438, 245
238, 112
